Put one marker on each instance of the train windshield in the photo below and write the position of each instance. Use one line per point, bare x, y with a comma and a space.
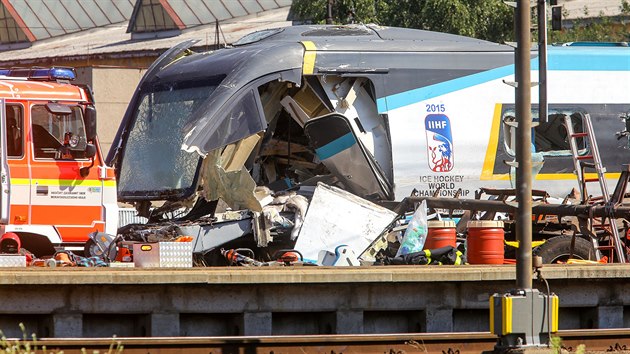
155, 143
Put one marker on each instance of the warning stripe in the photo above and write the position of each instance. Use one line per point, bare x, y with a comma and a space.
308, 67
62, 182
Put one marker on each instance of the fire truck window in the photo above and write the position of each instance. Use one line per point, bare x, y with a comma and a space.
14, 125
58, 136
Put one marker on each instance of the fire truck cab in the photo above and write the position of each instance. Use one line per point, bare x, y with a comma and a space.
56, 188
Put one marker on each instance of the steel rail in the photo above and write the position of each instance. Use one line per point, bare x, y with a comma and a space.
469, 342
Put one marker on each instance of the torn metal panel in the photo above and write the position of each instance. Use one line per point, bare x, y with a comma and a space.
226, 177
213, 124
258, 87
262, 231
231, 110
310, 102
343, 256
344, 155
295, 110
336, 217
351, 97
234, 156
298, 204
270, 97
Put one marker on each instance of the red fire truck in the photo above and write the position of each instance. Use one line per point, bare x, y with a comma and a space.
56, 188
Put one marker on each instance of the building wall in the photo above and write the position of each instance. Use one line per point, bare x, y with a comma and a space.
113, 88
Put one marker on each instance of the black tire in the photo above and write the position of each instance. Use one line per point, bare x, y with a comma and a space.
558, 249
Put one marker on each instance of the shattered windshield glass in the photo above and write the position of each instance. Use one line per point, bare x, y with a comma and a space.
155, 140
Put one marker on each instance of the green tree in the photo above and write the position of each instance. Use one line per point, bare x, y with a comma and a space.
484, 19
452, 16
401, 13
492, 20
600, 28
315, 10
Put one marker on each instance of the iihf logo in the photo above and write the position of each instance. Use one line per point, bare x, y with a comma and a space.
439, 142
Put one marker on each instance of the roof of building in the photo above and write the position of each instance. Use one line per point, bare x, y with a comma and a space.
32, 30
151, 16
24, 21
114, 38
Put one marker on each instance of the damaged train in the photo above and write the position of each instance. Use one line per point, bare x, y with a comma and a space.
377, 111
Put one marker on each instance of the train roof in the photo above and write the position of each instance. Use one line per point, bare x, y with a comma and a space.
288, 53
281, 52
282, 49
370, 38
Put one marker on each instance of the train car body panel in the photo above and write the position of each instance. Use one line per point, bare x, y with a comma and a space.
430, 113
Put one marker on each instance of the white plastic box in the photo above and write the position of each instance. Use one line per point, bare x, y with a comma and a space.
12, 260
163, 254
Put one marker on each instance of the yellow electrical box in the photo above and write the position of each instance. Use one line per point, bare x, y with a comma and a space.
514, 315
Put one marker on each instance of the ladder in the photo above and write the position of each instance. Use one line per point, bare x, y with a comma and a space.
591, 162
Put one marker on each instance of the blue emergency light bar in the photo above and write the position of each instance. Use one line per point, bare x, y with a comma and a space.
44, 74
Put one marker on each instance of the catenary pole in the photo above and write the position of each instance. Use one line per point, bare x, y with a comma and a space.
329, 18
542, 61
523, 147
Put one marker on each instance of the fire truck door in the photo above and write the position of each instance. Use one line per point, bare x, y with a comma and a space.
5, 179
60, 195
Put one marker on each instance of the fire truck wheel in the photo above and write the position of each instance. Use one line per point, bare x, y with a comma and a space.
558, 249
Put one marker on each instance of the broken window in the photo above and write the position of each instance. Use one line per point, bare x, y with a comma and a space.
548, 138
288, 155
241, 120
155, 141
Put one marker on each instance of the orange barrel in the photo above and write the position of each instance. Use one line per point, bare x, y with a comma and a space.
441, 234
484, 244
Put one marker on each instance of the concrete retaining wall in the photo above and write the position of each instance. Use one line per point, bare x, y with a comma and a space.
298, 300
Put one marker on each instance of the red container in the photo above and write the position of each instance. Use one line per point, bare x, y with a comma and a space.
441, 234
484, 244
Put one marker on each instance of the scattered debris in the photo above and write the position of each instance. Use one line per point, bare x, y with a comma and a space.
335, 218
448, 255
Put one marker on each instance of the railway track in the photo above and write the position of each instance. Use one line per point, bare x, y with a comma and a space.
614, 340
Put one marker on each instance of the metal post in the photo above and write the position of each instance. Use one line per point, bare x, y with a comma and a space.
329, 18
523, 147
216, 35
542, 61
